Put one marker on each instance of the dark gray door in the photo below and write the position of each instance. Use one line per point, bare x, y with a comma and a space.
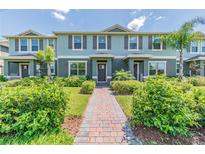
101, 72
24, 71
136, 71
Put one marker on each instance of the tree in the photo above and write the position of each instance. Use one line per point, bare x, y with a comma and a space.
182, 38
195, 68
46, 57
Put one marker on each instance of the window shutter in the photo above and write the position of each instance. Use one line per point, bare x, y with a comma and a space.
94, 42
109, 42
70, 42
84, 42
126, 42
140, 42
16, 44
149, 42
41, 44
164, 45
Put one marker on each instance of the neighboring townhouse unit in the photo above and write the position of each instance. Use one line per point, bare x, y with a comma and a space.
95, 54
4, 51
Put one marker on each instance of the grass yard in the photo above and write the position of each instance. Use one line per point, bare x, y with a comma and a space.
125, 102
78, 102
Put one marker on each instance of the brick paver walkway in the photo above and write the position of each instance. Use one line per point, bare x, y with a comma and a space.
104, 121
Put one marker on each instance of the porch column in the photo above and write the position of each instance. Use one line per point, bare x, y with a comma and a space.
31, 68
6, 67
131, 66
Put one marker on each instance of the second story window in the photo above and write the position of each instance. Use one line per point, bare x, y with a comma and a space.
203, 46
34, 45
24, 45
51, 43
133, 43
102, 39
194, 46
157, 43
77, 42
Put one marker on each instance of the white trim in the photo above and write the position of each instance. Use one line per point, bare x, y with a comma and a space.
109, 77
54, 46
177, 62
138, 70
105, 43
105, 72
94, 77
202, 47
74, 57
20, 45
164, 57
73, 61
198, 51
161, 43
136, 42
165, 72
81, 37
31, 45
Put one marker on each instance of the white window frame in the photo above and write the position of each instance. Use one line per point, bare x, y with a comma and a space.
202, 46
197, 48
176, 67
53, 43
81, 36
136, 42
165, 69
31, 44
98, 42
28, 48
161, 43
54, 70
70, 62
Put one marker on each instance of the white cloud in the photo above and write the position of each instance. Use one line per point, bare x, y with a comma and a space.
159, 18
137, 23
60, 14
135, 12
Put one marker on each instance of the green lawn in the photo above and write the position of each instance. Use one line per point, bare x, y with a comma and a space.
125, 102
78, 102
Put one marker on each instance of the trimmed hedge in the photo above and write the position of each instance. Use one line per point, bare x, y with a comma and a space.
196, 81
87, 87
29, 111
162, 104
125, 87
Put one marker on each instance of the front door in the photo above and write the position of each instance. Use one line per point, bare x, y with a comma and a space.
24, 70
101, 72
136, 71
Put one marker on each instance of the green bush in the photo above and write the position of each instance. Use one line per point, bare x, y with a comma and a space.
87, 87
162, 104
3, 78
72, 81
199, 97
123, 75
125, 87
197, 81
29, 111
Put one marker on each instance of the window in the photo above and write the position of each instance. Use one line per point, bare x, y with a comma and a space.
51, 43
203, 46
77, 68
53, 69
194, 46
133, 42
34, 45
77, 42
24, 45
102, 42
38, 69
157, 43
178, 66
157, 67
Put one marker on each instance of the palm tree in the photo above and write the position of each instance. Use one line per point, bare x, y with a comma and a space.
182, 38
46, 57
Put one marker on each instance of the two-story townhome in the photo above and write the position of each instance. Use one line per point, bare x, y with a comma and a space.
4, 51
95, 54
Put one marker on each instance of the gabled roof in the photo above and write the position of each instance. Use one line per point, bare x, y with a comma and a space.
4, 43
29, 33
117, 28
197, 57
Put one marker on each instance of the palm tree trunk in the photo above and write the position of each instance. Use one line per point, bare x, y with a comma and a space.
181, 67
49, 71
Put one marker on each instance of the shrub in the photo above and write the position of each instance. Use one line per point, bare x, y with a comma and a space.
125, 87
123, 75
161, 104
87, 87
73, 81
29, 111
199, 97
3, 78
197, 81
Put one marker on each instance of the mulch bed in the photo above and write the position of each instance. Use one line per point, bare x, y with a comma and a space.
151, 135
72, 125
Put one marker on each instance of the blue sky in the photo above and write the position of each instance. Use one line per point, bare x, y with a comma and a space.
46, 21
